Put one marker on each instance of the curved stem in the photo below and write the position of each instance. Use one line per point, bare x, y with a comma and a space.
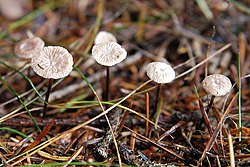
158, 92
210, 104
45, 106
199, 123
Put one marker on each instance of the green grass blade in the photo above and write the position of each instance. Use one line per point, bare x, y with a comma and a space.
76, 99
30, 16
24, 76
84, 78
205, 9
20, 100
22, 154
196, 91
241, 6
17, 132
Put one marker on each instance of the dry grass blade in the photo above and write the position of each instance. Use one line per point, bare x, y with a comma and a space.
207, 122
85, 132
216, 131
158, 145
106, 117
40, 136
231, 150
205, 116
147, 113
204, 61
51, 157
171, 130
74, 156
56, 138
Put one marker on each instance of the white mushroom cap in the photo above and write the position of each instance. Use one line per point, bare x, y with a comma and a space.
109, 53
52, 62
12, 9
160, 72
27, 47
217, 85
104, 36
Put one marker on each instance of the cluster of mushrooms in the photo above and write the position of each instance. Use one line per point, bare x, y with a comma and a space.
55, 62
49, 62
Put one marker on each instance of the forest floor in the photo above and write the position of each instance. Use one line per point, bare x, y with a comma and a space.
197, 38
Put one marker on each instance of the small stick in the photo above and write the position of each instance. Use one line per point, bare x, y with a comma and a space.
171, 130
45, 106
124, 118
147, 113
132, 138
216, 132
218, 117
207, 110
207, 123
231, 150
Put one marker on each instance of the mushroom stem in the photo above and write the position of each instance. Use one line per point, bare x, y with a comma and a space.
45, 106
28, 75
158, 92
106, 93
30, 34
199, 124
210, 104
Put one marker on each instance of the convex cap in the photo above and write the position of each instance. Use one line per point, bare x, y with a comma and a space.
52, 62
108, 53
160, 72
217, 84
27, 47
104, 36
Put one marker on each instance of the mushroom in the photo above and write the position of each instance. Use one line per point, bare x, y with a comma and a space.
104, 36
216, 85
27, 47
52, 62
160, 73
12, 9
108, 54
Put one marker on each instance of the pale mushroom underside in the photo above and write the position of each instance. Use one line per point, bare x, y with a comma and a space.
52, 62
160, 72
108, 54
27, 48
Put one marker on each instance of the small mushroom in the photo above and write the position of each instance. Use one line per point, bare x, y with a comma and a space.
104, 36
12, 9
108, 54
27, 47
216, 85
160, 73
52, 62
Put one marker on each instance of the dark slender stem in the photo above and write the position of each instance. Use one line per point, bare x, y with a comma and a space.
158, 92
29, 69
210, 104
45, 106
199, 124
106, 93
28, 75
